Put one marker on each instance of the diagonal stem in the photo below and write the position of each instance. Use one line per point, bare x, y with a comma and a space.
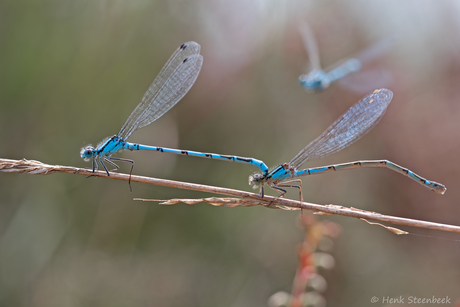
38, 168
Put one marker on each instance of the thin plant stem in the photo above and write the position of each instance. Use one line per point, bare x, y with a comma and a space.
39, 168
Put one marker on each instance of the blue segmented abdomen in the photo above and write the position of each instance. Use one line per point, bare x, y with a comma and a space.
255, 162
432, 185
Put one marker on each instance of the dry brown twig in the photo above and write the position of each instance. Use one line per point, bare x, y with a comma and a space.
246, 199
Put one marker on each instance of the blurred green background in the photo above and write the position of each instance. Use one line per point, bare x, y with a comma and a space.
72, 71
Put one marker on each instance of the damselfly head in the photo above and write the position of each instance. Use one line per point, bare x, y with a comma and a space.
255, 180
87, 152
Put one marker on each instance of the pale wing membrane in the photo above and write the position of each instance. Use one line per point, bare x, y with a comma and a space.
365, 80
355, 63
349, 128
376, 50
310, 45
172, 83
177, 85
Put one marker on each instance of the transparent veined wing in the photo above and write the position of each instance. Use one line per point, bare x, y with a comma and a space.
174, 81
310, 45
348, 66
374, 51
350, 127
366, 79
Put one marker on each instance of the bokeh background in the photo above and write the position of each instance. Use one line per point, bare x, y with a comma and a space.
72, 71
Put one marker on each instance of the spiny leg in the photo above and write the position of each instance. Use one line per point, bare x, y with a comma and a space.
285, 185
131, 171
299, 186
103, 165
95, 165
113, 164
279, 190
261, 192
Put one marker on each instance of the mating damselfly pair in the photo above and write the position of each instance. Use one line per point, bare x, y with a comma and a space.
177, 77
